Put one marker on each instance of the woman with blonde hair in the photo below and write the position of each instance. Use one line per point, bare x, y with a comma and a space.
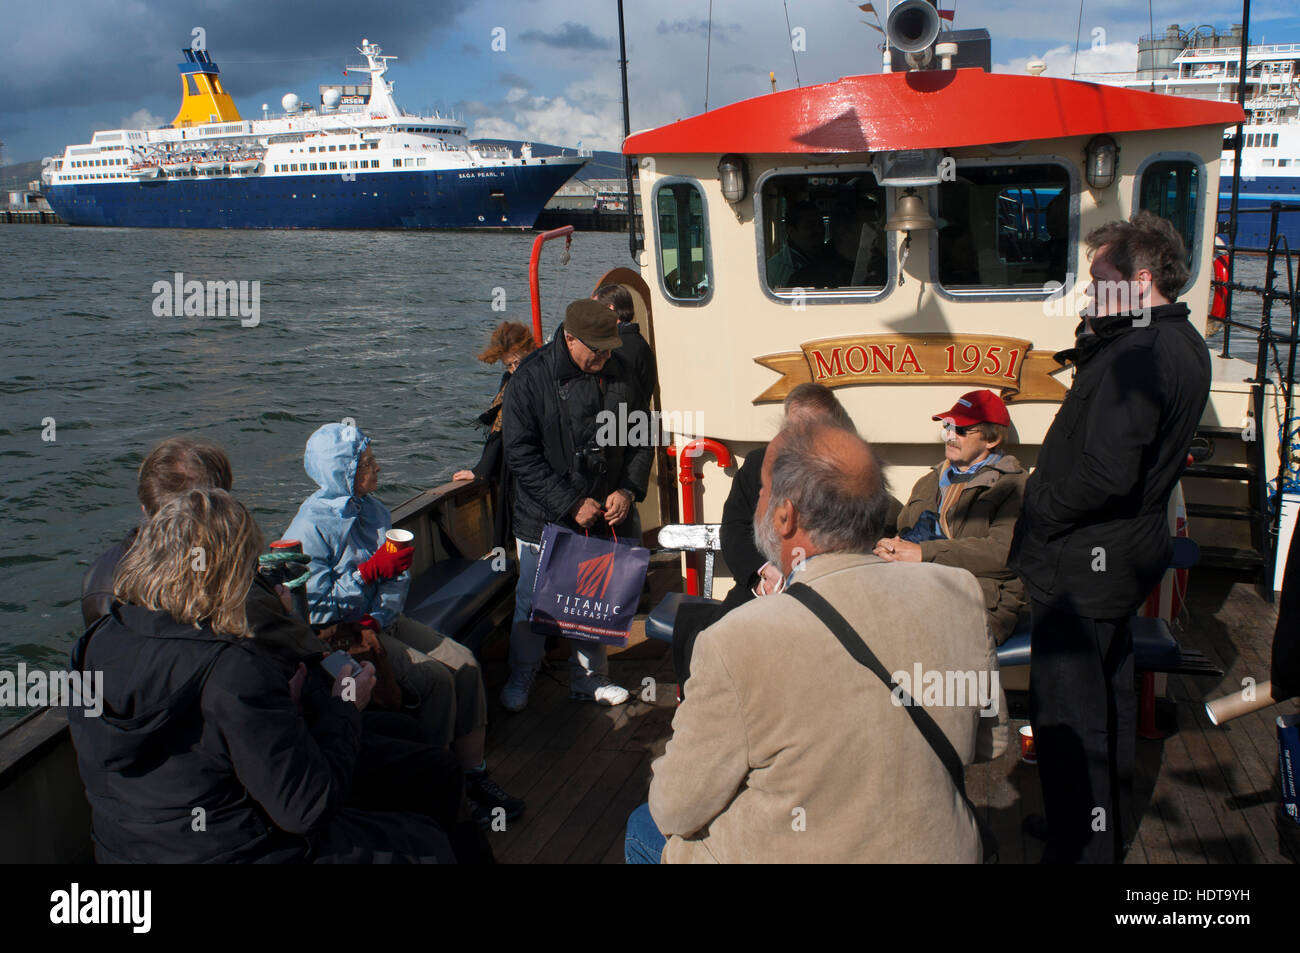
511, 342
200, 753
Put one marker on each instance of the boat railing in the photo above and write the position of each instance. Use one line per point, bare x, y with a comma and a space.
1269, 369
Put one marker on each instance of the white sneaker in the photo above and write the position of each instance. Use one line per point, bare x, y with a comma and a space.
514, 697
598, 688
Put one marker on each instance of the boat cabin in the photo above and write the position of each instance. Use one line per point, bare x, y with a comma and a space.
906, 237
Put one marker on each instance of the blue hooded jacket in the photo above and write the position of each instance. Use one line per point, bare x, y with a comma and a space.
340, 530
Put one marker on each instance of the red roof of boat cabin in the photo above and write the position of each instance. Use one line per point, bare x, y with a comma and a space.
940, 109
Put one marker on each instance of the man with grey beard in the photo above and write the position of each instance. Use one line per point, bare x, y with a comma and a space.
786, 750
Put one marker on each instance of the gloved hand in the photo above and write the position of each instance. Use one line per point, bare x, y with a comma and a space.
384, 565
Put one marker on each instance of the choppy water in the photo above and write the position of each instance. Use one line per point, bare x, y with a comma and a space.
380, 327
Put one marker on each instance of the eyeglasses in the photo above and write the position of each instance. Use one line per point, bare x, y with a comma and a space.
960, 431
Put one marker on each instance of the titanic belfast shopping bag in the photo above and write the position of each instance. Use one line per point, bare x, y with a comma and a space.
587, 587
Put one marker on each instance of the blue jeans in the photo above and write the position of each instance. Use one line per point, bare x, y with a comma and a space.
643, 843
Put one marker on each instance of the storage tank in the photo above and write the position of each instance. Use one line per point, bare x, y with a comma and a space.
1156, 52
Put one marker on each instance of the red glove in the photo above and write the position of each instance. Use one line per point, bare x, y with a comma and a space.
384, 565
368, 622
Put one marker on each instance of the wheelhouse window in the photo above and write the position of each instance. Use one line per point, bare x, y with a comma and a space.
824, 232
1004, 228
684, 263
1172, 190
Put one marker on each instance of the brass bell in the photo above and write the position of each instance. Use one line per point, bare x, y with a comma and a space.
910, 214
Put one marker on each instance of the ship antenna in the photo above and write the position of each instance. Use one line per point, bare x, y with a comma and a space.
633, 245
708, 56
1079, 26
793, 58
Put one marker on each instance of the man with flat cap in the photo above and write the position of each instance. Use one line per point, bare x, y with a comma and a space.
566, 470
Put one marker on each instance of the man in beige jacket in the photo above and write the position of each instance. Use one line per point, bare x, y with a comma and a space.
788, 750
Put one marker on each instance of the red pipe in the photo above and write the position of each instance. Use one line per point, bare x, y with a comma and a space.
534, 274
687, 478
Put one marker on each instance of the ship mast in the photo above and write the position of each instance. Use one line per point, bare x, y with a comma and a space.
381, 91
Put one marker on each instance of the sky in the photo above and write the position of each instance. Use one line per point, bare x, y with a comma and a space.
539, 70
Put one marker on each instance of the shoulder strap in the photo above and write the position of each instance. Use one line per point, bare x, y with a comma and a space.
854, 644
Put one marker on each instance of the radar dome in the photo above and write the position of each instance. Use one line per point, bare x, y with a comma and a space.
330, 98
289, 102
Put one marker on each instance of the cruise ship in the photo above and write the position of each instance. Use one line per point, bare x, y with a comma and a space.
1203, 62
353, 160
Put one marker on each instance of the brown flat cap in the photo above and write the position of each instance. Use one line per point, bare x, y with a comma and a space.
593, 324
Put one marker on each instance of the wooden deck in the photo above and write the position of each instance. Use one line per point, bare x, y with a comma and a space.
1206, 794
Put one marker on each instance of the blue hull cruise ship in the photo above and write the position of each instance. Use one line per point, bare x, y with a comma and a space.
354, 161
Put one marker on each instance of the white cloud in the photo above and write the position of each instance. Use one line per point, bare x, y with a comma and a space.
141, 119
1108, 58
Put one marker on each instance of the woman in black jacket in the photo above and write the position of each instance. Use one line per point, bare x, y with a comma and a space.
200, 753
511, 342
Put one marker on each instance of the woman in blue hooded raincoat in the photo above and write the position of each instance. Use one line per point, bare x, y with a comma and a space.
342, 526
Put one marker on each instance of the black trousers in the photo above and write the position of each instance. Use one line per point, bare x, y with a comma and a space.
1084, 715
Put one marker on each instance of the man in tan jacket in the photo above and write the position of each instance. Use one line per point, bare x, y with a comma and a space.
786, 749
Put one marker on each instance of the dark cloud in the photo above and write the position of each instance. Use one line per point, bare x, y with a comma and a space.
697, 27
247, 39
570, 36
514, 79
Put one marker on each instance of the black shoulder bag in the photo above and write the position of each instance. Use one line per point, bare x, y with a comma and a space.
933, 734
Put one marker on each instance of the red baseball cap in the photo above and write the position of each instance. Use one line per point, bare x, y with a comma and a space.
976, 407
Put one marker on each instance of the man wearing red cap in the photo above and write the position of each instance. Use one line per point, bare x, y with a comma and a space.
963, 512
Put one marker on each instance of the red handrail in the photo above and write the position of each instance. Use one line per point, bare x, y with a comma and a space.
687, 478
534, 274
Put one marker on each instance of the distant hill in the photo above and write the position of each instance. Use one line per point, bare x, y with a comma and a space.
15, 177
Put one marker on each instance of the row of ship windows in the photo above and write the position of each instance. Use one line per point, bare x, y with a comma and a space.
88, 163
85, 177
352, 147
1264, 139
326, 166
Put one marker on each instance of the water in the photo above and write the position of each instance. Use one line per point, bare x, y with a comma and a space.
377, 326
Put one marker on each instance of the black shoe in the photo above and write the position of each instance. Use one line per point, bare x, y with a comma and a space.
486, 795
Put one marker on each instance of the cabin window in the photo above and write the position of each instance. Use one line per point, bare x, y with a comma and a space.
683, 238
1004, 227
824, 232
1172, 190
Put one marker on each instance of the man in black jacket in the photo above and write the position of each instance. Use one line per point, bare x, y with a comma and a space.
565, 472
636, 352
1093, 537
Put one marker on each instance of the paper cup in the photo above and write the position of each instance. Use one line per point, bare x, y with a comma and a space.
399, 539
1027, 753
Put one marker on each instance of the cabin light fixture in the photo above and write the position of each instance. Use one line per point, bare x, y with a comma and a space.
1102, 155
731, 174
910, 214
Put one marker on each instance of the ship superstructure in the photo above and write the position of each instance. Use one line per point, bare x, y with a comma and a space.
1204, 63
354, 160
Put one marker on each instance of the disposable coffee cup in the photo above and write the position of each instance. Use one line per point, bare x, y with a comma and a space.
1027, 753
399, 539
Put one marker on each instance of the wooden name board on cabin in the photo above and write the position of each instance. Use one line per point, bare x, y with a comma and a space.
1009, 365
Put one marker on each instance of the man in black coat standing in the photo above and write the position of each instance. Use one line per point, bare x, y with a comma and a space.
569, 470
1093, 538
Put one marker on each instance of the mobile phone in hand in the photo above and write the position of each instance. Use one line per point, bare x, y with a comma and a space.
334, 662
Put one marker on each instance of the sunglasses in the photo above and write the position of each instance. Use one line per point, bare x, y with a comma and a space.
961, 431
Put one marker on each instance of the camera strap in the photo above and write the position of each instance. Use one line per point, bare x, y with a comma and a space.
854, 644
